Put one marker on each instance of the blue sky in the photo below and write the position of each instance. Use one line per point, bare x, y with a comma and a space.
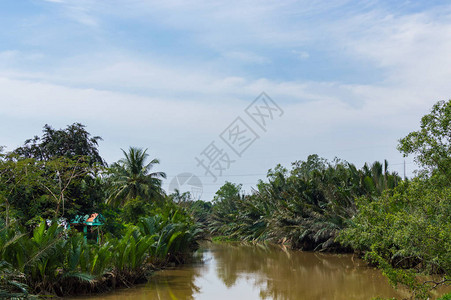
351, 76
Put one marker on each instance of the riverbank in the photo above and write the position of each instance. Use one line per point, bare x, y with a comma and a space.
245, 271
51, 261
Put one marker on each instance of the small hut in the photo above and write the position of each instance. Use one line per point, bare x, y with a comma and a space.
89, 225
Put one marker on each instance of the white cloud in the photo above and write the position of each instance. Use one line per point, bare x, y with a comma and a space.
412, 48
178, 106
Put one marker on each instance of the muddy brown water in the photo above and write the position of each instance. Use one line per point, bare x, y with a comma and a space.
235, 271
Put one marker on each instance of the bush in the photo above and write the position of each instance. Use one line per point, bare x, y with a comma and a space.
406, 232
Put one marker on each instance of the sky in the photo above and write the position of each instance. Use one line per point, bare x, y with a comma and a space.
340, 78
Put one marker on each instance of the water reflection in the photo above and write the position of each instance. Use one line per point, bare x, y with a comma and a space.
258, 272
299, 275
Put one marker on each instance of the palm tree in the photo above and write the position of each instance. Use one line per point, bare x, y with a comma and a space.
376, 178
131, 178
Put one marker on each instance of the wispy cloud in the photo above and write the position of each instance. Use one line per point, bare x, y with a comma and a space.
169, 72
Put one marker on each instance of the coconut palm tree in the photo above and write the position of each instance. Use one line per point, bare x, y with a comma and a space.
131, 177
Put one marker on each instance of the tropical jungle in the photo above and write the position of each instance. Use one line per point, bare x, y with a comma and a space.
400, 225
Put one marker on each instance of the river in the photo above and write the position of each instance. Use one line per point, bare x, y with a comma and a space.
235, 271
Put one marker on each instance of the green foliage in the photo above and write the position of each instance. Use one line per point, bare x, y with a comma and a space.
227, 192
225, 208
10, 283
60, 175
180, 198
61, 186
407, 228
130, 177
432, 143
200, 211
222, 238
50, 260
305, 207
72, 142
134, 209
445, 297
57, 174
113, 224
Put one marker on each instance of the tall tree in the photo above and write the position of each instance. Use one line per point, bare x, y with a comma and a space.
55, 174
432, 143
72, 142
131, 177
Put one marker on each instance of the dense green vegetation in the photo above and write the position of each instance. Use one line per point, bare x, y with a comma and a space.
305, 207
53, 178
403, 227
407, 231
52, 261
